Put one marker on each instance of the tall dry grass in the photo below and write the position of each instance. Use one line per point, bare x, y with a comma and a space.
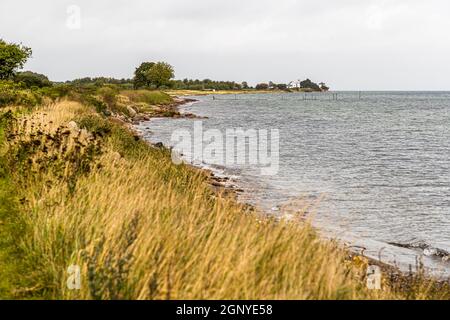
140, 227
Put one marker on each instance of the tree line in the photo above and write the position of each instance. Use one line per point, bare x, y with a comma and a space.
148, 75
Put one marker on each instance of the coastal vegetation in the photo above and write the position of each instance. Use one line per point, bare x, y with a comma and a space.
12, 57
80, 189
308, 84
82, 194
150, 74
32, 79
160, 75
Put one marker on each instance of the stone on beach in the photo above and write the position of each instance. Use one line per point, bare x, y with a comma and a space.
131, 111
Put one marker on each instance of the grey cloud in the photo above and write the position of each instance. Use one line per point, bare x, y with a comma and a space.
373, 44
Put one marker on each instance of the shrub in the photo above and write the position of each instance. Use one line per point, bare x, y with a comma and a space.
89, 100
15, 94
109, 96
32, 79
262, 86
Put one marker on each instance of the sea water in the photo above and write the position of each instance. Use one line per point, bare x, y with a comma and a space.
374, 166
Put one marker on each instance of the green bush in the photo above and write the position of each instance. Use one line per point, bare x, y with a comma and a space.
100, 106
32, 79
57, 91
109, 96
16, 94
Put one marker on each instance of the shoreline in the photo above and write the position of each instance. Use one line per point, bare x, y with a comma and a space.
218, 184
136, 187
179, 93
221, 185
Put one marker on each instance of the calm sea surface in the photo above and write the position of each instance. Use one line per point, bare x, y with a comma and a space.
377, 168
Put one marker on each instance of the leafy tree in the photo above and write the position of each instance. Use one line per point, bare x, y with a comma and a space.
262, 86
141, 75
244, 85
32, 79
12, 57
308, 84
281, 86
206, 84
323, 86
157, 74
160, 74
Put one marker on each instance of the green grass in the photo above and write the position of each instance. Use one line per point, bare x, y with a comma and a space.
7, 267
7, 209
12, 270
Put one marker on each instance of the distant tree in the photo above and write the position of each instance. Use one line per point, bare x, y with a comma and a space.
208, 84
154, 74
160, 74
272, 85
141, 78
32, 79
323, 86
281, 86
12, 58
308, 84
100, 81
262, 86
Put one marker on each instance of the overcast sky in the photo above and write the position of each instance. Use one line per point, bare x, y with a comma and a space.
349, 44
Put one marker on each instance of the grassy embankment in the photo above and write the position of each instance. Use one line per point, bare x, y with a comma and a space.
180, 93
78, 188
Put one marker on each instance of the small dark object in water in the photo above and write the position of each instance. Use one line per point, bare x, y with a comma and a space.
159, 145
